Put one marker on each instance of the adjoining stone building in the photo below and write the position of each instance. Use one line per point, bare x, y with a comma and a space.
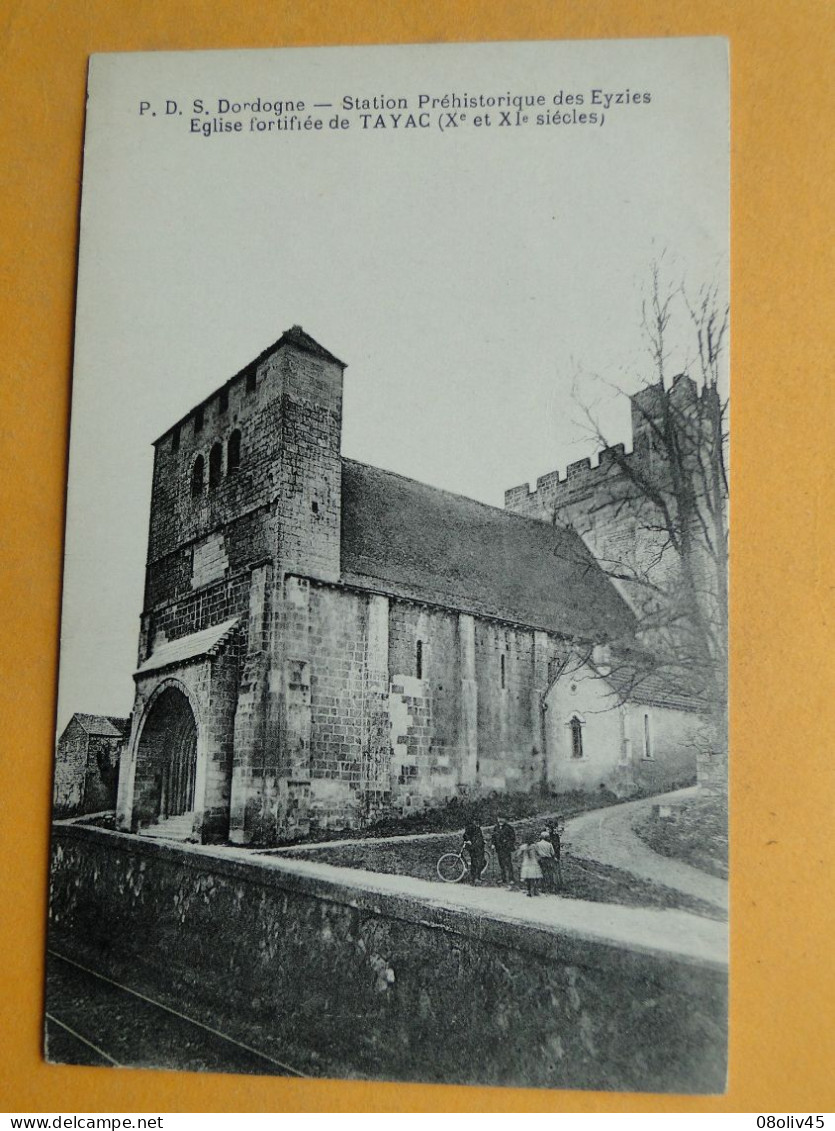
323, 642
87, 764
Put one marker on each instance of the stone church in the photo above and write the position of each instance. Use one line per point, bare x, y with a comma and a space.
323, 642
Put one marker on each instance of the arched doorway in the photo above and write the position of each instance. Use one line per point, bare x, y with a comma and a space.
166, 759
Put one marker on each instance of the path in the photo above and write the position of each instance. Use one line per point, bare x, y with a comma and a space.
606, 835
647, 929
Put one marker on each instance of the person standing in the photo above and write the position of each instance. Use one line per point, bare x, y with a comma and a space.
474, 845
504, 842
547, 861
530, 871
555, 834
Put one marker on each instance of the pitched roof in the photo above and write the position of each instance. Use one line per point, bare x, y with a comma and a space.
204, 643
653, 688
109, 726
407, 539
296, 336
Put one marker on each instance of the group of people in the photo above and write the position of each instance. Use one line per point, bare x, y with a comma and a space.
540, 867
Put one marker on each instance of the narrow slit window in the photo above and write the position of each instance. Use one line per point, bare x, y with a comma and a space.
233, 453
504, 672
175, 439
215, 466
419, 659
647, 737
576, 738
197, 478
250, 381
198, 420
223, 401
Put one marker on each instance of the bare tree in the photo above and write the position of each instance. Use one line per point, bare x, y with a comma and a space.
657, 519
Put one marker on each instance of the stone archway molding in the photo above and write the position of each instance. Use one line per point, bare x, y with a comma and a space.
125, 816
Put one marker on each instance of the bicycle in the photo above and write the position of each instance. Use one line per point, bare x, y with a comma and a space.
454, 866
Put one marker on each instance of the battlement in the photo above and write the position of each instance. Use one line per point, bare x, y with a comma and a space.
584, 475
580, 474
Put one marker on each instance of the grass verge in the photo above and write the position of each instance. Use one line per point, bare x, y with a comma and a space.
696, 834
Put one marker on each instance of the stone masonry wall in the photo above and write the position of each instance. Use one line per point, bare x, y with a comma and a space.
337, 658
374, 705
176, 516
424, 707
508, 731
210, 606
395, 706
310, 466
101, 772
335, 972
238, 544
86, 771
281, 502
70, 764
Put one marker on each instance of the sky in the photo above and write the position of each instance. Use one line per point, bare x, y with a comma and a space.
481, 282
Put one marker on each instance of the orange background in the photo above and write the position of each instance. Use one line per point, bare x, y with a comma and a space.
783, 775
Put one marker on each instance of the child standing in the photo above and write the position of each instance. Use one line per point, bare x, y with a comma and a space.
530, 872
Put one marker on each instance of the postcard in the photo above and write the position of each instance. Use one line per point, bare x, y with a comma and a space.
392, 727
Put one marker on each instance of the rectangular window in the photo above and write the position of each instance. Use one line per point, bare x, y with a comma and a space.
250, 381
223, 400
198, 420
647, 737
175, 439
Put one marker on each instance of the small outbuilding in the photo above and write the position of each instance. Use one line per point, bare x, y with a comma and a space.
87, 764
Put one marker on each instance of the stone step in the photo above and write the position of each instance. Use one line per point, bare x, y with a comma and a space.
171, 828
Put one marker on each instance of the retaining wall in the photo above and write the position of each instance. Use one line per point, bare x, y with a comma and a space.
290, 955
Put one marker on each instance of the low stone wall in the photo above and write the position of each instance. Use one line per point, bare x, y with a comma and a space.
712, 773
379, 984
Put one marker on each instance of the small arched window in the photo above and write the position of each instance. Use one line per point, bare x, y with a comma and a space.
419, 659
197, 477
233, 453
576, 728
215, 465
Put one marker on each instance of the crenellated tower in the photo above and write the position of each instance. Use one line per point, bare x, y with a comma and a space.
617, 502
